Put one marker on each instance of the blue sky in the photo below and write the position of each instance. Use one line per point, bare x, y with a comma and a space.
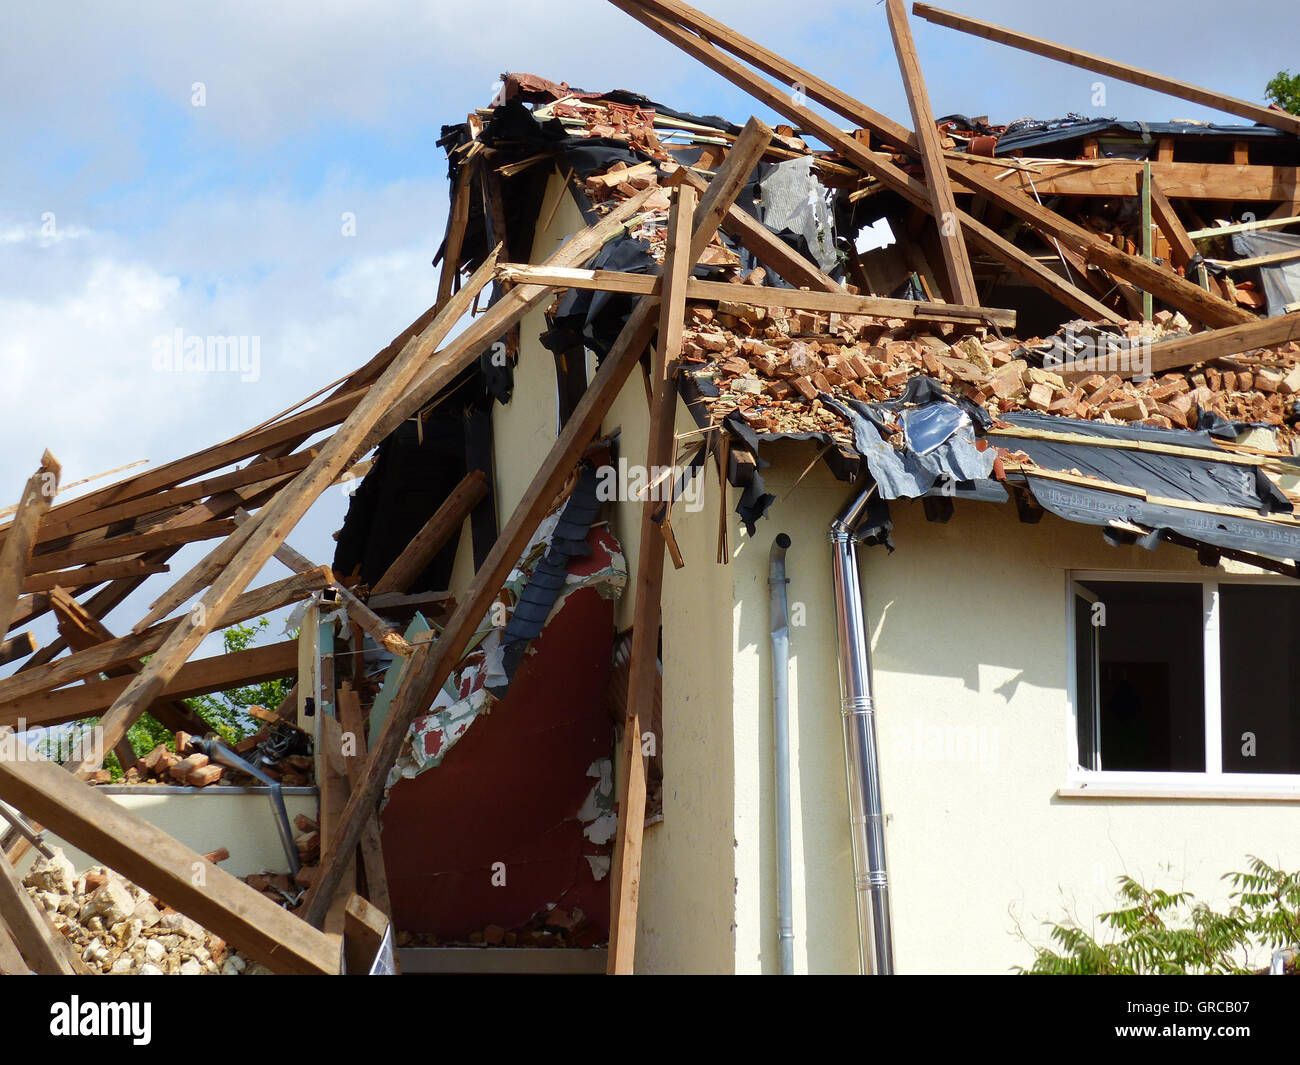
127, 212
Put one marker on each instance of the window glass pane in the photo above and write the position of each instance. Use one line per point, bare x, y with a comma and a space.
1259, 626
1151, 676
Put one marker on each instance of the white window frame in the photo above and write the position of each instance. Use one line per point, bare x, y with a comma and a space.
1213, 782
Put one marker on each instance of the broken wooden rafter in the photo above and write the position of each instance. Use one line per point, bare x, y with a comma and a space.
986, 238
124, 649
254, 473
775, 254
200, 677
502, 316
418, 373
121, 547
97, 573
456, 227
1265, 116
366, 619
434, 660
625, 870
1115, 177
1180, 352
83, 632
779, 67
961, 283
16, 550
16, 647
763, 296
160, 864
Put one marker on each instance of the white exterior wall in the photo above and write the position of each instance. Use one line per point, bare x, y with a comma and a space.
968, 625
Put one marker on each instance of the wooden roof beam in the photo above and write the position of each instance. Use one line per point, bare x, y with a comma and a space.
1111, 68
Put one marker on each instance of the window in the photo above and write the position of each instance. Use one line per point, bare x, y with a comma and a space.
1179, 681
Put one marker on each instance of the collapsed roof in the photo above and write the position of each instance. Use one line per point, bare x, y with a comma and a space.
1102, 333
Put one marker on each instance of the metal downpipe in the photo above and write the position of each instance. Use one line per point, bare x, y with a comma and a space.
861, 759
780, 629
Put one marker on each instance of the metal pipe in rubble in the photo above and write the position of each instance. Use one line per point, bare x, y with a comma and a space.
780, 628
861, 759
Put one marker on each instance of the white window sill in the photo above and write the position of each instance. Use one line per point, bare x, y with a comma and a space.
1197, 791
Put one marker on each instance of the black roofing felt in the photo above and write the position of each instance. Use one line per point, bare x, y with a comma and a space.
1033, 133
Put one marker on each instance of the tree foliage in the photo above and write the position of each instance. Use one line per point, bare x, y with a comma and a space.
1284, 90
225, 712
1158, 932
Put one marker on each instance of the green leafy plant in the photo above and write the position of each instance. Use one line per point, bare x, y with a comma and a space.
225, 712
1284, 90
1159, 932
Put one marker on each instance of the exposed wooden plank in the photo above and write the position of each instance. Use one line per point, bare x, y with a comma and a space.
84, 631
625, 870
1219, 343
16, 647
961, 283
1182, 294
121, 650
332, 780
1180, 244
37, 495
433, 661
1111, 68
1115, 177
254, 473
161, 865
873, 164
199, 576
365, 618
769, 249
292, 431
445, 523
200, 677
1272, 259
455, 238
133, 544
97, 573
1244, 227
779, 67
371, 845
502, 316
44, 949
363, 933
762, 295
11, 962
9, 511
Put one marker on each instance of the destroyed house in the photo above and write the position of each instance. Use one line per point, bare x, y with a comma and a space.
824, 549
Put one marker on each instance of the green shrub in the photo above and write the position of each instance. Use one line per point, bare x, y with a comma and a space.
1158, 932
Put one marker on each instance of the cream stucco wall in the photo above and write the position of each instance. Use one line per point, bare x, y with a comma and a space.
969, 638
968, 624
207, 820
